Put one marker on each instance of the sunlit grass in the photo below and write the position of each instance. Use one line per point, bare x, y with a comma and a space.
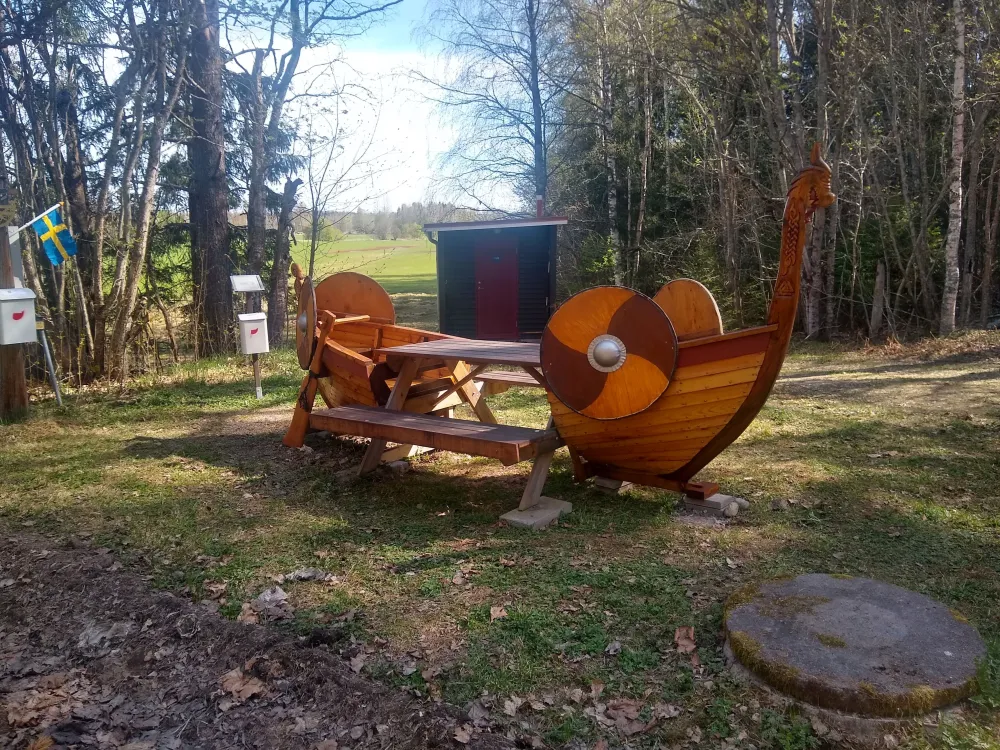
890, 466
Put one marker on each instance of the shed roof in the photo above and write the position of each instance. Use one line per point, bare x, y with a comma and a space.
457, 226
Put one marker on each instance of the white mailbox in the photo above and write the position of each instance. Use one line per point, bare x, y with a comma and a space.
17, 317
253, 333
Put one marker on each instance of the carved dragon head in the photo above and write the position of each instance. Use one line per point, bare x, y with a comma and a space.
812, 186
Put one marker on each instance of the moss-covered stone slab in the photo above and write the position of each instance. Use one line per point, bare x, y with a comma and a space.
854, 644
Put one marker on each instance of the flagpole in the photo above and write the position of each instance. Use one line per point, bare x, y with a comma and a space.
43, 213
77, 278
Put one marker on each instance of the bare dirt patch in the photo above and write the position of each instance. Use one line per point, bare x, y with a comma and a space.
90, 657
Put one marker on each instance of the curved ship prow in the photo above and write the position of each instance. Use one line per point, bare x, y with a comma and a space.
719, 381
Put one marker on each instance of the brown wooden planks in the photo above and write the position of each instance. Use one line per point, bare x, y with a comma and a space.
691, 309
354, 294
504, 442
649, 422
728, 346
731, 336
520, 379
470, 351
720, 365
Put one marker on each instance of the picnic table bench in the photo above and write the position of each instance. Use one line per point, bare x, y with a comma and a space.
499, 381
506, 443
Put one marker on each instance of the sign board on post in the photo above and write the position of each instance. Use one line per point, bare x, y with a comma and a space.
253, 333
247, 284
17, 317
253, 325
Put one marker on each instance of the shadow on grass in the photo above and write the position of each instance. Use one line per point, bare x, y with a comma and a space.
960, 358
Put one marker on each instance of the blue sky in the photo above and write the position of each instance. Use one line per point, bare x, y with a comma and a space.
396, 33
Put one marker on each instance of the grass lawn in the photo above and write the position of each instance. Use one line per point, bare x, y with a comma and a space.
888, 460
405, 267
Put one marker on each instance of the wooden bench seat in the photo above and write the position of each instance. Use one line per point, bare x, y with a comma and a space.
503, 442
500, 381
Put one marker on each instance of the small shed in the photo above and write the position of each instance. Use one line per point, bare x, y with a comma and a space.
496, 279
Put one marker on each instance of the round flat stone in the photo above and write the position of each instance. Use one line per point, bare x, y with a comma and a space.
854, 644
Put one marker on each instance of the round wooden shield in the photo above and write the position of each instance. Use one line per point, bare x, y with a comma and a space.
691, 309
355, 294
609, 352
305, 324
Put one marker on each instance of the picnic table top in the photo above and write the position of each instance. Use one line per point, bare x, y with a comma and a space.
471, 351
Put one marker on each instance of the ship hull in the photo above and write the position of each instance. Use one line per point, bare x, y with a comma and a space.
714, 379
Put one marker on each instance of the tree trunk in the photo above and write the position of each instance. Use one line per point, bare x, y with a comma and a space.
970, 245
256, 182
949, 295
646, 165
314, 237
125, 306
992, 232
607, 105
277, 300
538, 125
209, 192
878, 302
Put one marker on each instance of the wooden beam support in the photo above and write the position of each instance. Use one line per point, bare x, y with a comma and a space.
295, 436
373, 457
696, 490
465, 379
536, 480
471, 395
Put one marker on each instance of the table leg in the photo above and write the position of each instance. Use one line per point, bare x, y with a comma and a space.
395, 403
471, 395
536, 480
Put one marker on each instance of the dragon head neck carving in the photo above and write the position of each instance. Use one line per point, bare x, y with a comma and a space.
812, 187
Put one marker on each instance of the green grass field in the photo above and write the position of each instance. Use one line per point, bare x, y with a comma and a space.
887, 461
405, 267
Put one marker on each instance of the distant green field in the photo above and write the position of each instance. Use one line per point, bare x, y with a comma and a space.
405, 267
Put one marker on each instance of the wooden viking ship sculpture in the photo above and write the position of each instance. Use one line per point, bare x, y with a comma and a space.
340, 325
647, 390
651, 390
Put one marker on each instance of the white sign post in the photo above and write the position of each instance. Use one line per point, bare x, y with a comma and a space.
253, 325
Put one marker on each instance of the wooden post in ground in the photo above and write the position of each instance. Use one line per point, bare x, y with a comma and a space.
13, 383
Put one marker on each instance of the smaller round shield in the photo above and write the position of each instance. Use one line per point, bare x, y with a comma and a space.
305, 324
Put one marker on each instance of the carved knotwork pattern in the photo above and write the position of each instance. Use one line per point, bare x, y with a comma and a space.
785, 285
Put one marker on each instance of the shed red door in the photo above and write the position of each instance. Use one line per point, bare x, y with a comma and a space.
496, 288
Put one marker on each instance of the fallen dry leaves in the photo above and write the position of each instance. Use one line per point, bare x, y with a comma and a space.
684, 640
510, 706
48, 700
241, 686
463, 734
497, 613
358, 663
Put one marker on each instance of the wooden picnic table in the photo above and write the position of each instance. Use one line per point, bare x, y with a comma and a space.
465, 359
477, 353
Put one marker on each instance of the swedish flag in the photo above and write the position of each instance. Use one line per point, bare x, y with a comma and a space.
55, 237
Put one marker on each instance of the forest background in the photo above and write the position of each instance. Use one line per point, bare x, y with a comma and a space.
188, 140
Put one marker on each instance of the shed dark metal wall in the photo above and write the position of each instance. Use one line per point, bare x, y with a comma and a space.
456, 269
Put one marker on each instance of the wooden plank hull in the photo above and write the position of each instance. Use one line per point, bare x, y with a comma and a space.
349, 363
713, 379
